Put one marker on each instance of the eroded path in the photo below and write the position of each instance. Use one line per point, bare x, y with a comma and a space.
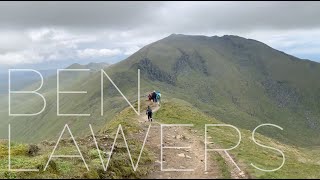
183, 159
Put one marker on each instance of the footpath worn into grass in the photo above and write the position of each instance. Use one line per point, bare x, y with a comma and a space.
184, 163
300, 162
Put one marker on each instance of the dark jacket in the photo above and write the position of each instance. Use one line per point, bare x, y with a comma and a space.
154, 95
149, 111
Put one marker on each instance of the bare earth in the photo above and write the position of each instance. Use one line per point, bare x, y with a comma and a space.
183, 158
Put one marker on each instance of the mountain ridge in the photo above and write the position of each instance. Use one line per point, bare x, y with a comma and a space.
239, 81
284, 81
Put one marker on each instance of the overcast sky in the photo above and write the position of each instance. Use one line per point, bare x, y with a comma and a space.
60, 33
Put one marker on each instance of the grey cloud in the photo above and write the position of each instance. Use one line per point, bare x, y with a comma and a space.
76, 14
53, 31
173, 16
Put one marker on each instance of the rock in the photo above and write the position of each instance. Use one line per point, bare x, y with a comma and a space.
33, 150
205, 172
181, 155
188, 157
179, 137
157, 161
242, 174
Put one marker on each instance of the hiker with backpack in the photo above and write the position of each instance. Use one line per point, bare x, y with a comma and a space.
150, 96
158, 97
154, 96
149, 113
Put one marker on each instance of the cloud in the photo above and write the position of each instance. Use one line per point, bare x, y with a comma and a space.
76, 14
40, 32
174, 15
13, 41
23, 57
93, 53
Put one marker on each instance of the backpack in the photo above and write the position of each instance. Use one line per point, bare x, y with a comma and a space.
158, 95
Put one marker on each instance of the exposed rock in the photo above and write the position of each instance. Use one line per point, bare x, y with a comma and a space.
242, 174
157, 161
153, 72
179, 137
33, 150
282, 92
181, 155
192, 61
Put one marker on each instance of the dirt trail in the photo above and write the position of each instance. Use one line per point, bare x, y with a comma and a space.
192, 158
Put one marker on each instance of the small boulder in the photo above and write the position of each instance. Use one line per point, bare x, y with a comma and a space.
33, 150
181, 155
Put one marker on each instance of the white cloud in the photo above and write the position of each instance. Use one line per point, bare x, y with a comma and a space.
13, 41
50, 44
23, 57
301, 43
93, 53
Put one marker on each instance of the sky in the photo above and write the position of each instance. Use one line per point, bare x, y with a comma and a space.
57, 34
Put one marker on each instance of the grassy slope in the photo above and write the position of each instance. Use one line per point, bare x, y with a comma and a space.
119, 167
47, 125
227, 83
242, 82
300, 162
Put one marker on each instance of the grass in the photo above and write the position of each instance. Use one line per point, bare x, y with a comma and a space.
300, 162
223, 167
119, 166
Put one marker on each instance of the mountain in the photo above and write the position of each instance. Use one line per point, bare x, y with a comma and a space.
239, 81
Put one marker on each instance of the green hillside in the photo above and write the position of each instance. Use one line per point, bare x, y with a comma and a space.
239, 81
35, 156
300, 162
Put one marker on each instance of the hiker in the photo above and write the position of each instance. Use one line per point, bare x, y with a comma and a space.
149, 97
154, 96
149, 113
158, 97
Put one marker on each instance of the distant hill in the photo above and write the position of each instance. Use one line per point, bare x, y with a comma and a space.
91, 66
21, 79
239, 81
